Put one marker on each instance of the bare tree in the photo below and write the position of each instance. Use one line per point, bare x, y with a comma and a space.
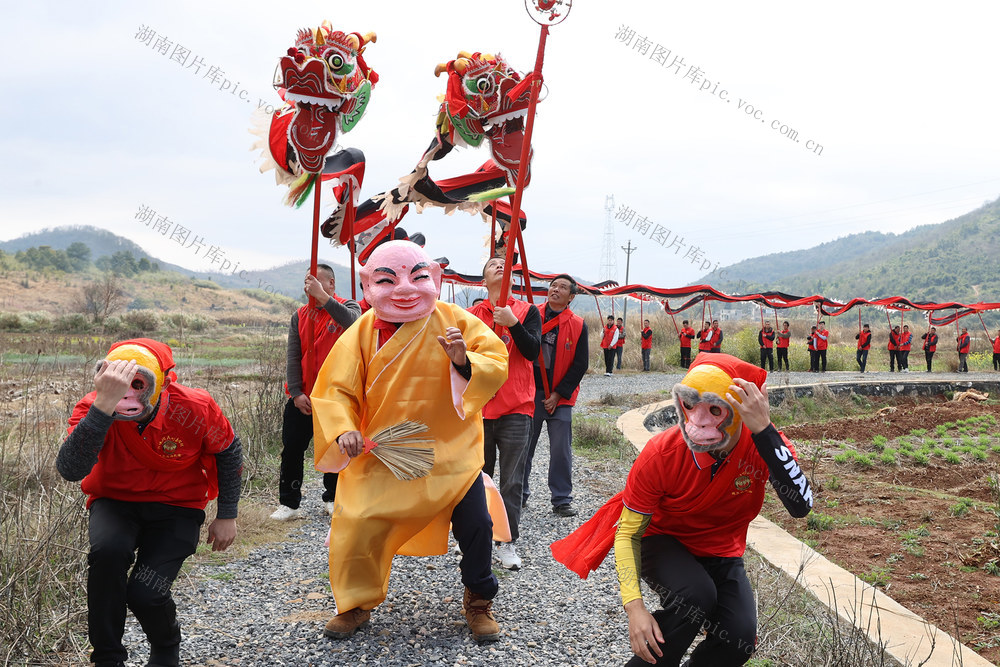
103, 298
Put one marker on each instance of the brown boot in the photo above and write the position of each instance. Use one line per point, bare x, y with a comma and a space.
343, 626
479, 616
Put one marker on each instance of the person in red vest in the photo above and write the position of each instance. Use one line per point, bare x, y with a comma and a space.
609, 341
893, 347
930, 346
905, 342
647, 344
784, 337
686, 335
811, 346
964, 344
864, 338
680, 524
328, 318
151, 453
620, 343
716, 337
822, 342
507, 416
705, 338
996, 352
765, 337
564, 357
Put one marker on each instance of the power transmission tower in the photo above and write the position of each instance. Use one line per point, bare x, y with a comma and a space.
609, 261
629, 249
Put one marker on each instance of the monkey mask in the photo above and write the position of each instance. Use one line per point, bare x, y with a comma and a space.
707, 421
401, 282
153, 363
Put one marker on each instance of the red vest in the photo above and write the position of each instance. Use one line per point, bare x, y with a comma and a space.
685, 341
517, 395
893, 341
811, 345
326, 331
621, 336
172, 461
906, 338
930, 342
767, 343
821, 343
996, 345
609, 334
647, 341
964, 342
706, 340
570, 327
782, 341
864, 340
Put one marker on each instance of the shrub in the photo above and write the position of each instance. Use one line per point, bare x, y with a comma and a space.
71, 323
142, 321
10, 322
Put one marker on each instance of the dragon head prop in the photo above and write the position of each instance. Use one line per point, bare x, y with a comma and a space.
707, 420
485, 97
326, 82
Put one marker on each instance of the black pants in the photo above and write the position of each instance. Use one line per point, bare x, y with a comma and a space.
646, 353
928, 355
473, 530
609, 359
821, 359
783, 356
904, 359
685, 357
996, 361
296, 432
157, 538
696, 593
813, 360
767, 354
894, 360
963, 362
862, 359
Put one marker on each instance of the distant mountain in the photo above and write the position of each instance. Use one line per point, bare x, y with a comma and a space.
951, 261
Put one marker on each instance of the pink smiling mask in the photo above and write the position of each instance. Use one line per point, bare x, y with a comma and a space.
401, 282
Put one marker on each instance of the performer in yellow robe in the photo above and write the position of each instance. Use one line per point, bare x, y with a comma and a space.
411, 357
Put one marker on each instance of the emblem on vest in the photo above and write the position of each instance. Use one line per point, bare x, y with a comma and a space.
742, 484
332, 327
505, 338
168, 449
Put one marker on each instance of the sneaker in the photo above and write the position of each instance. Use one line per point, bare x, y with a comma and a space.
607, 375
285, 513
329, 505
343, 626
564, 510
508, 556
479, 617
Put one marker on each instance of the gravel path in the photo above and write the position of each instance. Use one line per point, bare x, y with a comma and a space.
270, 607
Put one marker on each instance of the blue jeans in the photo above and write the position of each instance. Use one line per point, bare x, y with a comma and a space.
560, 427
510, 435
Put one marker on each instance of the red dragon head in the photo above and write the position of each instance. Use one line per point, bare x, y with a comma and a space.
485, 97
326, 79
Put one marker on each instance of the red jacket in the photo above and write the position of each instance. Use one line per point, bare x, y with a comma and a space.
686, 335
326, 330
517, 395
647, 339
609, 335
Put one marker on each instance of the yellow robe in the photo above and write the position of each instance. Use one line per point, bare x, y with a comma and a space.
363, 388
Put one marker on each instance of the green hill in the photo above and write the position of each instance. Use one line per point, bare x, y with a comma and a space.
950, 261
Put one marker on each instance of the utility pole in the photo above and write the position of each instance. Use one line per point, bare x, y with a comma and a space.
629, 249
609, 263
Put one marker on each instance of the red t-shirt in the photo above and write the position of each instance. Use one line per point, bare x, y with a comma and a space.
172, 461
709, 516
517, 395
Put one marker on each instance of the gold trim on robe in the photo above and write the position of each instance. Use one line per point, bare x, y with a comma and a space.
366, 388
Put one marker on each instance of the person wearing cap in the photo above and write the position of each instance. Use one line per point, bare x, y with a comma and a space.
151, 453
681, 522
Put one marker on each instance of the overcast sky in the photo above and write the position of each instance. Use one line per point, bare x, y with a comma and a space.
901, 98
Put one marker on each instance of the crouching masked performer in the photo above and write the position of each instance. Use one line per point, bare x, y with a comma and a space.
410, 358
681, 522
151, 453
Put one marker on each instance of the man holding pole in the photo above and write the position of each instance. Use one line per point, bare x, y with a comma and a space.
964, 344
647, 344
686, 335
930, 345
784, 337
